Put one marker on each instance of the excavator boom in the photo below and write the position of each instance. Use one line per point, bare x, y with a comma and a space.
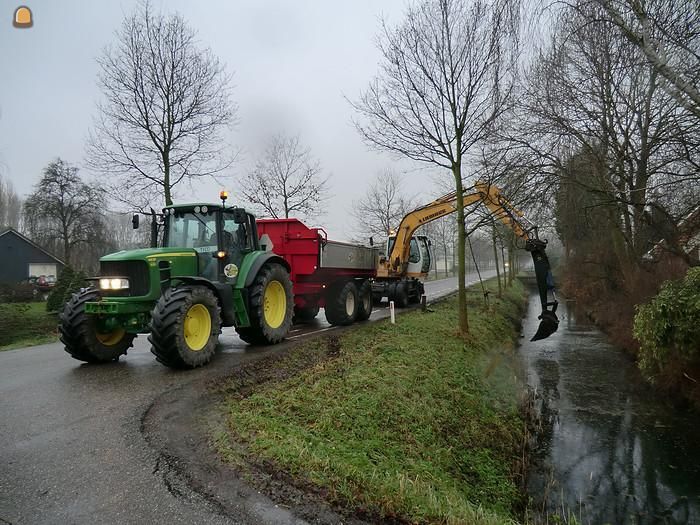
501, 209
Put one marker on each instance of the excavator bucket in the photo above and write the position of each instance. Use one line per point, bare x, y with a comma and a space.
549, 322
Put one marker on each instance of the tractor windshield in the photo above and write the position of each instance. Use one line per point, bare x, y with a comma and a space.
192, 230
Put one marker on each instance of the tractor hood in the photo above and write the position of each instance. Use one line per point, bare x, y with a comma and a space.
149, 254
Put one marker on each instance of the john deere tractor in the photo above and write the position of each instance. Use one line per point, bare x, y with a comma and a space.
208, 272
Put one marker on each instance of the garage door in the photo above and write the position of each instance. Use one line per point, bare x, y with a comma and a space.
35, 269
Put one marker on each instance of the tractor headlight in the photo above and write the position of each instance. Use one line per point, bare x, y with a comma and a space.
114, 284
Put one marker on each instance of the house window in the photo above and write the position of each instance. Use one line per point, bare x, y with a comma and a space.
39, 269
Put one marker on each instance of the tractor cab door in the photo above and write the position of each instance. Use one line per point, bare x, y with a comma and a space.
236, 240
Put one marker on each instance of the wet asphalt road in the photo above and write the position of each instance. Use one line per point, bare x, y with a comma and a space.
71, 446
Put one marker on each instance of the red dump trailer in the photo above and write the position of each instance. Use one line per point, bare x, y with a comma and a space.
325, 274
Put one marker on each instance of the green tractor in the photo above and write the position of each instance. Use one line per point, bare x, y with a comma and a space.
208, 273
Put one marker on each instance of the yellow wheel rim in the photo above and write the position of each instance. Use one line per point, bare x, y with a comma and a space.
197, 327
274, 304
110, 338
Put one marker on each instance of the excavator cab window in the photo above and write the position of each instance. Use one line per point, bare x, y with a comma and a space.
414, 254
424, 244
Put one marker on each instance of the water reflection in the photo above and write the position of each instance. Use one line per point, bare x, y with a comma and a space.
610, 451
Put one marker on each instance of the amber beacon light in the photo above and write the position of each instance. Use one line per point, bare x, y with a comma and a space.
23, 17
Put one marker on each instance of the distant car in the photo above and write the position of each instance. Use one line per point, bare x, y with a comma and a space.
44, 283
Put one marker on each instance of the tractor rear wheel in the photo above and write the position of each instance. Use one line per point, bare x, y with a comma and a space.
341, 303
82, 337
271, 306
364, 305
185, 327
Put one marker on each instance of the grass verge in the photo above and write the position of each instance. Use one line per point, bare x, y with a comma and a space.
405, 422
26, 324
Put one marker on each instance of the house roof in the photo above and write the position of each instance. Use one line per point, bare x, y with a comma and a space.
688, 230
29, 241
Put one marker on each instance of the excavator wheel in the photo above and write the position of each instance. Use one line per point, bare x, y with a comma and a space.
81, 336
401, 295
341, 303
364, 306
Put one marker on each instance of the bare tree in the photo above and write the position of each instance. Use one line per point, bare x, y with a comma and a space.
166, 105
592, 96
383, 205
64, 213
287, 181
445, 77
667, 32
10, 206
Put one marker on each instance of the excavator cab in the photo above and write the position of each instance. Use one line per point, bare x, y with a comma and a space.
420, 255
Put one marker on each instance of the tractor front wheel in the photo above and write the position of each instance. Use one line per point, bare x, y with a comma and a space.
82, 337
185, 327
271, 307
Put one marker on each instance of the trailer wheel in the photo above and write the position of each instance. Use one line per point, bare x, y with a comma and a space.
365, 300
401, 295
341, 304
82, 338
305, 314
271, 306
185, 327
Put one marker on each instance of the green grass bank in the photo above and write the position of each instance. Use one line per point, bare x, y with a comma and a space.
404, 422
26, 324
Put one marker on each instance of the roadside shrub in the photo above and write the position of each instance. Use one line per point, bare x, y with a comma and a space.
69, 282
25, 322
668, 327
17, 293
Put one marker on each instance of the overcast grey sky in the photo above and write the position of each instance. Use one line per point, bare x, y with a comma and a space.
293, 62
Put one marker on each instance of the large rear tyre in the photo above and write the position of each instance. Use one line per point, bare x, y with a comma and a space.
271, 307
185, 327
342, 303
81, 336
364, 303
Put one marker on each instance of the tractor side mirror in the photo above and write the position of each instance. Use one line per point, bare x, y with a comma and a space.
239, 216
371, 241
135, 221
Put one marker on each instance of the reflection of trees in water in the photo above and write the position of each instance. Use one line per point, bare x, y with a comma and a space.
608, 459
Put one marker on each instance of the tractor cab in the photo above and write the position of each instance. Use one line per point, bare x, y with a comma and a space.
221, 236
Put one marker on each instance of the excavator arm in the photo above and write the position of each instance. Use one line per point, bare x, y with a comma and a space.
500, 209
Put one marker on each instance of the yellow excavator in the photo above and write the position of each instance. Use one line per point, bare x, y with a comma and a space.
408, 256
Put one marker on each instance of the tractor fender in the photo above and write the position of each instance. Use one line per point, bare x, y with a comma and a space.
223, 291
260, 261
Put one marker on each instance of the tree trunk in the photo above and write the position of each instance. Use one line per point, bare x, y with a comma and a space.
495, 258
505, 268
447, 273
166, 179
461, 274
